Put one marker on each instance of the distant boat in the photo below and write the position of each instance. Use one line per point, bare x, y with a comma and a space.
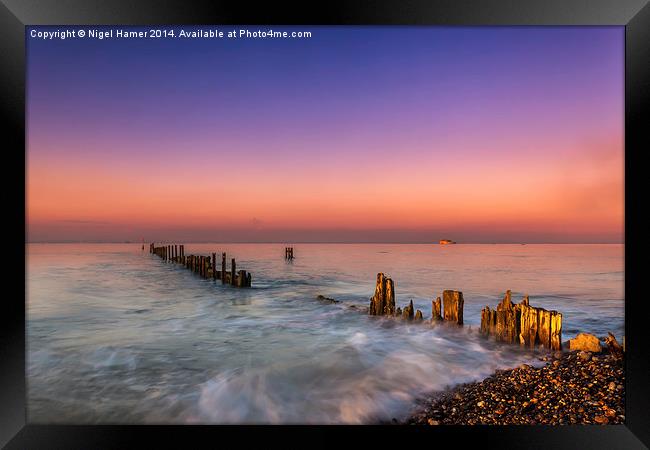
446, 241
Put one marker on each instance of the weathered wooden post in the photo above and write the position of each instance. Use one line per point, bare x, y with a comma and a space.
506, 320
233, 273
556, 330
214, 266
453, 306
383, 301
408, 311
522, 323
436, 310
223, 268
175, 253
485, 321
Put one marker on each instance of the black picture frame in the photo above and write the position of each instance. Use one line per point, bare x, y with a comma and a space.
16, 14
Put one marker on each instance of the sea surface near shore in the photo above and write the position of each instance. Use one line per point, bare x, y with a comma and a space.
115, 335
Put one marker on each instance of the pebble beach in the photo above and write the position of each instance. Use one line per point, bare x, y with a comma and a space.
572, 388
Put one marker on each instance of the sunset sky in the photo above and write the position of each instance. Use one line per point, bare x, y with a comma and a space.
358, 134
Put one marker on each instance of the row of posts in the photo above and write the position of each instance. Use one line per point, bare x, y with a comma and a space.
288, 253
204, 266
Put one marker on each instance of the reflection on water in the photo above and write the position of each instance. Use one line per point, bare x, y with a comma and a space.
115, 335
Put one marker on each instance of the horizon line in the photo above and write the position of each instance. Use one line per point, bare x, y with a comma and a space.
322, 242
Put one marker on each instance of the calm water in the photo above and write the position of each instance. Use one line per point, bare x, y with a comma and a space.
115, 335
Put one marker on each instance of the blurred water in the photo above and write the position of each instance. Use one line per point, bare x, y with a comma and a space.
115, 335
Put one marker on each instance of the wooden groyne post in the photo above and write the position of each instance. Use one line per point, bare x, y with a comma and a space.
436, 310
223, 268
453, 302
522, 323
288, 253
383, 302
204, 266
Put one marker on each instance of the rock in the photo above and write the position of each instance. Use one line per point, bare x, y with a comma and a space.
481, 404
611, 386
398, 312
322, 298
614, 347
601, 420
433, 422
585, 356
557, 355
586, 342
418, 316
525, 367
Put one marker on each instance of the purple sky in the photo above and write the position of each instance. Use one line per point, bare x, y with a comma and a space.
397, 134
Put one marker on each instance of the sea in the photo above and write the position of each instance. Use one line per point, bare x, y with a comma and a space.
115, 335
